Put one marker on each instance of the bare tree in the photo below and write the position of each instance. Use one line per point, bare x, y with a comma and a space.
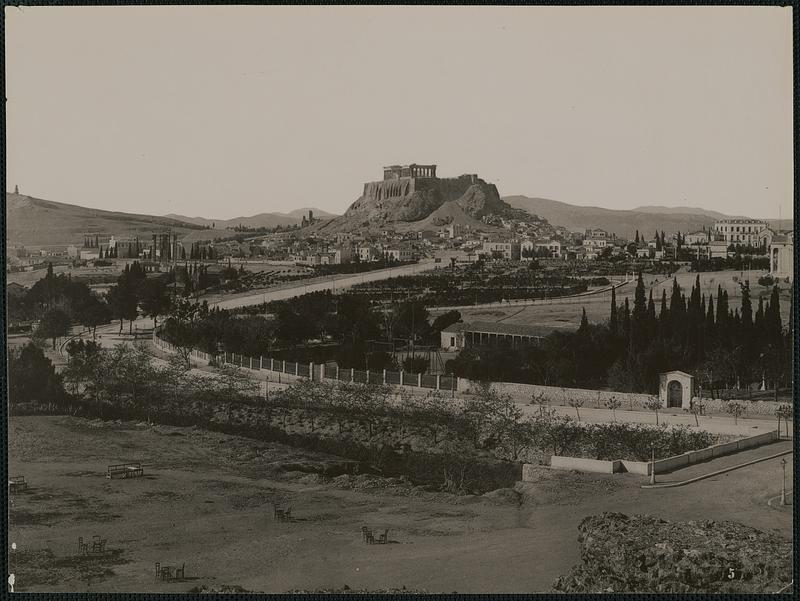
653, 403
613, 403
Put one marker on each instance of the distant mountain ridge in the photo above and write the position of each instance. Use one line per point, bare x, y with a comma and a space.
260, 220
621, 222
685, 211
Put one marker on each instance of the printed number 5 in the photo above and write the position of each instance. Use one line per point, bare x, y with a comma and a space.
731, 573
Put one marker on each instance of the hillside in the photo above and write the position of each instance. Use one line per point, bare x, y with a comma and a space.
681, 211
621, 222
259, 220
34, 222
449, 212
294, 217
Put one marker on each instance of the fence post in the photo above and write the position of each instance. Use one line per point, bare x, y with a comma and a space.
261, 361
271, 364
311, 371
402, 378
352, 375
419, 379
337, 371
367, 376
251, 363
283, 366
384, 376
438, 381
297, 368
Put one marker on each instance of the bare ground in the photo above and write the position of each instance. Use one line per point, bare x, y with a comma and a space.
206, 500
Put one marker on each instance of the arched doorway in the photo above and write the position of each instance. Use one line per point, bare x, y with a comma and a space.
674, 394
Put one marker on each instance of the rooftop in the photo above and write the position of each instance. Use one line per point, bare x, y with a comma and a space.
494, 327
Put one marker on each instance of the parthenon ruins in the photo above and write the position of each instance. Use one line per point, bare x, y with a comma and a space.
412, 170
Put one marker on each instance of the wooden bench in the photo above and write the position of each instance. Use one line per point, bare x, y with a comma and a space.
98, 545
124, 470
17, 484
170, 572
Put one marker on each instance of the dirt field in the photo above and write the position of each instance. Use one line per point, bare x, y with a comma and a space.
566, 314
206, 500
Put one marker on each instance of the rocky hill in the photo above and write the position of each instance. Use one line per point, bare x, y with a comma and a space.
413, 203
644, 554
33, 221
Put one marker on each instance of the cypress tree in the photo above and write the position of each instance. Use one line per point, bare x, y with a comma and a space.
747, 309
626, 322
584, 327
612, 322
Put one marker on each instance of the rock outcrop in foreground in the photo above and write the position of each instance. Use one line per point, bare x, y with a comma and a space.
640, 554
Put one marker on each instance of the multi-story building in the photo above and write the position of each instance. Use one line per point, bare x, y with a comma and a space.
503, 249
368, 252
397, 254
701, 237
740, 231
551, 246
594, 241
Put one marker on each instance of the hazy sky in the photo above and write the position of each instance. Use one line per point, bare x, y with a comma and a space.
229, 111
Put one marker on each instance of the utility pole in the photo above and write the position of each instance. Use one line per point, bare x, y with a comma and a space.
783, 488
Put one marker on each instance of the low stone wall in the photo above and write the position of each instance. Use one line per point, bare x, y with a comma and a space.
661, 466
753, 407
593, 399
559, 462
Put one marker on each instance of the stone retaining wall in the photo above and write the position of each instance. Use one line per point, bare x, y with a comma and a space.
661, 466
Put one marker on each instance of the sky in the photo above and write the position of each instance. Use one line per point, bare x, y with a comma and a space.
230, 111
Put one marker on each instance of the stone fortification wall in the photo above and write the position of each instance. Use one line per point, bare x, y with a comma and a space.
450, 188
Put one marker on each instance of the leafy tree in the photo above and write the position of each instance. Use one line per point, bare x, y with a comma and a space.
735, 409
54, 324
32, 377
154, 299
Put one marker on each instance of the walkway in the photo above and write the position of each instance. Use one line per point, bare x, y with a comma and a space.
770, 455
333, 283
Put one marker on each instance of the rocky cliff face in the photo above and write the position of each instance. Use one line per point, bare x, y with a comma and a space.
638, 554
409, 200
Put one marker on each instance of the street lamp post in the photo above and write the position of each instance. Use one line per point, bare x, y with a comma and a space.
652, 465
783, 488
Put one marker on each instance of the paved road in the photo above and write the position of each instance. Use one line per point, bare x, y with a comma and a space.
335, 283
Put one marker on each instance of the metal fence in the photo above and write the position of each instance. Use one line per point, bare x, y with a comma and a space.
328, 370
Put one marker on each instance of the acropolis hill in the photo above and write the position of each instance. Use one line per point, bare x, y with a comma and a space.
410, 193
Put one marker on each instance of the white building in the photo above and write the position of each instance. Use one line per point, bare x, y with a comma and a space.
368, 253
507, 250
740, 231
700, 237
551, 246
397, 254
781, 256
